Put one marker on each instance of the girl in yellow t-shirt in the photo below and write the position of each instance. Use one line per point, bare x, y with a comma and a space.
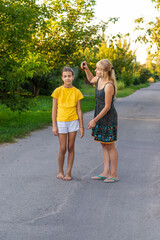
67, 119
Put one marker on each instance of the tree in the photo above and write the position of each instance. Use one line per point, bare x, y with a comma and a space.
19, 21
69, 30
145, 74
151, 34
55, 31
34, 68
117, 50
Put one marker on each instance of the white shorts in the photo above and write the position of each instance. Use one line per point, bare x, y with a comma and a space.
66, 127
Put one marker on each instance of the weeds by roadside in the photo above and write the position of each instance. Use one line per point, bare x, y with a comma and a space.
14, 125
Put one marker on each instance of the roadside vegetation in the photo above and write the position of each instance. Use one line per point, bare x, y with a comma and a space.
18, 124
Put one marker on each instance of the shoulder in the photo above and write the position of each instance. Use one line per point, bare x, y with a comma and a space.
58, 88
78, 94
109, 87
76, 90
56, 91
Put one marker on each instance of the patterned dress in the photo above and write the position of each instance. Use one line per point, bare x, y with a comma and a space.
105, 130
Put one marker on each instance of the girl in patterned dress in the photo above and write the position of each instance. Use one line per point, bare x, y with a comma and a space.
104, 123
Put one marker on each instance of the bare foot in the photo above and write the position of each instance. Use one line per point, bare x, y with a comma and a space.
60, 176
67, 178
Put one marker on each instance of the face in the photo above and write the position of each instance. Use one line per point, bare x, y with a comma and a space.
67, 78
99, 72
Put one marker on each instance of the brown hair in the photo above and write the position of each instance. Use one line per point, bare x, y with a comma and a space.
67, 69
108, 72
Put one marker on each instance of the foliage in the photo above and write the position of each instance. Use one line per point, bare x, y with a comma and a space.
36, 37
126, 77
136, 80
69, 30
34, 68
118, 51
19, 21
51, 80
151, 34
120, 85
144, 75
153, 64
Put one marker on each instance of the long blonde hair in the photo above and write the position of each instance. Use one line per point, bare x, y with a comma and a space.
108, 72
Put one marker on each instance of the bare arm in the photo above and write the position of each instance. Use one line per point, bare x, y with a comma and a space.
54, 115
89, 75
80, 117
109, 91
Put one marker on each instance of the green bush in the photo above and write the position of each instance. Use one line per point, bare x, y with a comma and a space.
52, 80
136, 81
144, 75
120, 85
126, 77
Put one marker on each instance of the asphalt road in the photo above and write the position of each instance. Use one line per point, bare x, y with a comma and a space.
35, 205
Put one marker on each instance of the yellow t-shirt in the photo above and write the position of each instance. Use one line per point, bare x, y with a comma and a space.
67, 99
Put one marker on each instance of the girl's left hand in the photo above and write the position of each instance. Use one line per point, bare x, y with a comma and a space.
81, 132
91, 124
55, 130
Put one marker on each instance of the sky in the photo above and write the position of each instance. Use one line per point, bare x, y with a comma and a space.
128, 11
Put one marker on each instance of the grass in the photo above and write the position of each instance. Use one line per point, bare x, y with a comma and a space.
130, 90
88, 90
14, 125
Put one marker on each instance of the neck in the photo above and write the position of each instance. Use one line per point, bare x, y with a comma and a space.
67, 86
104, 79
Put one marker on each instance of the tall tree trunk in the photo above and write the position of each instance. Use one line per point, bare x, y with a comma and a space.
36, 91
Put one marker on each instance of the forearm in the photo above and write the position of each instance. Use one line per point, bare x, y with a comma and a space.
89, 74
54, 116
101, 114
80, 117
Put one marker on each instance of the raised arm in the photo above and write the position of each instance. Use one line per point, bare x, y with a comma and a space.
89, 75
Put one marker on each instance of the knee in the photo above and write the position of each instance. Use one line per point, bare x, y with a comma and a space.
71, 148
63, 150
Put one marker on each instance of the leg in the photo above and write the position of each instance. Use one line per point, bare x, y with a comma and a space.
71, 142
106, 159
113, 154
61, 156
